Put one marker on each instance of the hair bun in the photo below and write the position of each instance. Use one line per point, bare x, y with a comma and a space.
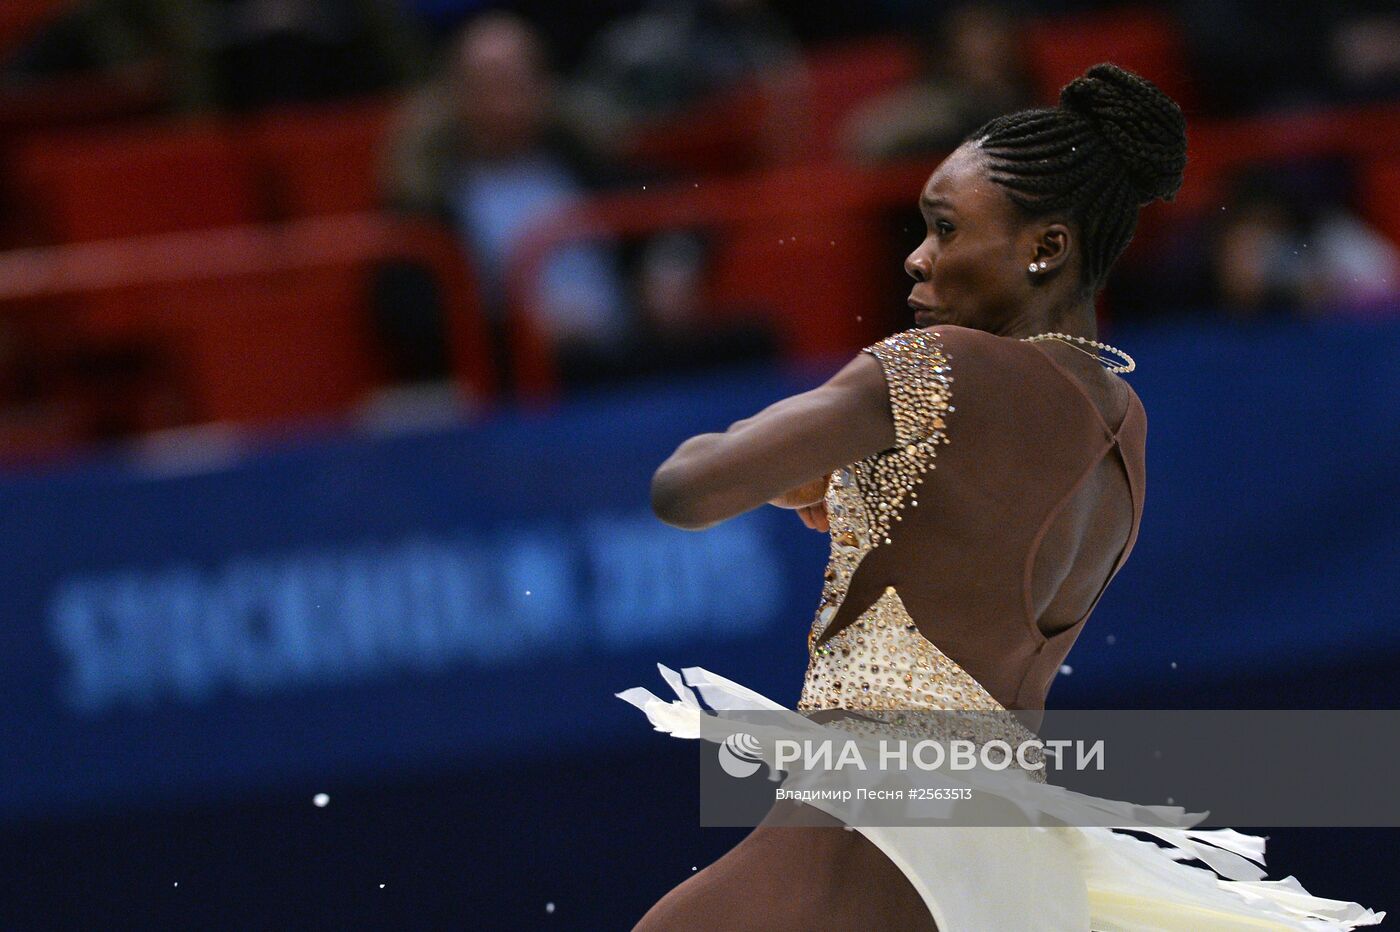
1141, 124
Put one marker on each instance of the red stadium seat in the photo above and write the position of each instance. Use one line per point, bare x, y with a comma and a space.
842, 77
253, 325
84, 100
820, 274
1378, 185
1143, 40
717, 136
134, 182
263, 348
731, 131
828, 307
322, 160
156, 179
284, 344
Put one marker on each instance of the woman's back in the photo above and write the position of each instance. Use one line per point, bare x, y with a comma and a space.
999, 540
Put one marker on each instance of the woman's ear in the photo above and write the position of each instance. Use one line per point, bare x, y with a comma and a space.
1052, 247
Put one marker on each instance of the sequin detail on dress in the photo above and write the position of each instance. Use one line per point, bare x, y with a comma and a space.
881, 665
918, 374
881, 660
863, 497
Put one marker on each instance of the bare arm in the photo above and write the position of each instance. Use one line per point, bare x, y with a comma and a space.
713, 477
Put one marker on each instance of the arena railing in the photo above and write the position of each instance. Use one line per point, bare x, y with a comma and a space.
788, 198
74, 279
779, 218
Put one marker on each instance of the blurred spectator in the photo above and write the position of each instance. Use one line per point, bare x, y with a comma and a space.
1324, 51
484, 151
1365, 57
670, 285
675, 331
282, 51
1350, 266
143, 50
1255, 266
1276, 252
677, 53
234, 54
972, 73
1283, 242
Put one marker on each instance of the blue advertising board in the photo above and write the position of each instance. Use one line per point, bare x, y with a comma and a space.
469, 594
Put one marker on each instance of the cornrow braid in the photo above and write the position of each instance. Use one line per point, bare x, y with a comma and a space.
1114, 143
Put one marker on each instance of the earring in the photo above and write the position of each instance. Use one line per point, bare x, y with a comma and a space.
1041, 265
1031, 267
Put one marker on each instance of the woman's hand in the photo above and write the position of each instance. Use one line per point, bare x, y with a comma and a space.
808, 501
809, 493
814, 516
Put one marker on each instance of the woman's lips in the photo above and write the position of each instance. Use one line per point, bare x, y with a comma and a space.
922, 312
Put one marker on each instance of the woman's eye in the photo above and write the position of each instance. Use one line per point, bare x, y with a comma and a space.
942, 226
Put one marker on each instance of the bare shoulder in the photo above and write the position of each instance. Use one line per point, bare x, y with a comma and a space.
926, 360
976, 344
985, 355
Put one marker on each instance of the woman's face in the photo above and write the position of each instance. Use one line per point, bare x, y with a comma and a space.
970, 269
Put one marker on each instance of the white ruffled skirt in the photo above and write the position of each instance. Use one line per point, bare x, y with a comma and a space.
1058, 878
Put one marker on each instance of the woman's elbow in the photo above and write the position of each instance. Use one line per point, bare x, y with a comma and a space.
675, 502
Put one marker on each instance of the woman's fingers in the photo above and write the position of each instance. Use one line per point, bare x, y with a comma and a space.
814, 516
810, 494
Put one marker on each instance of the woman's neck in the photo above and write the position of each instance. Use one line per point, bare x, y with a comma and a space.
1077, 320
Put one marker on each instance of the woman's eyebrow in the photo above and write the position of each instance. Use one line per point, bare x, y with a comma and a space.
935, 202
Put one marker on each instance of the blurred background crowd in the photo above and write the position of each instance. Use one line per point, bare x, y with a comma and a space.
339, 340
446, 205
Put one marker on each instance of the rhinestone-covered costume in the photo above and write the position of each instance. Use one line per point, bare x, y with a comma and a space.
940, 602
881, 661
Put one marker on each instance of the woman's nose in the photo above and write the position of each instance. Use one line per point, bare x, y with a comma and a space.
918, 266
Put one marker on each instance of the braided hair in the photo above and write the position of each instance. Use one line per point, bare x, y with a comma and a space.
1114, 143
